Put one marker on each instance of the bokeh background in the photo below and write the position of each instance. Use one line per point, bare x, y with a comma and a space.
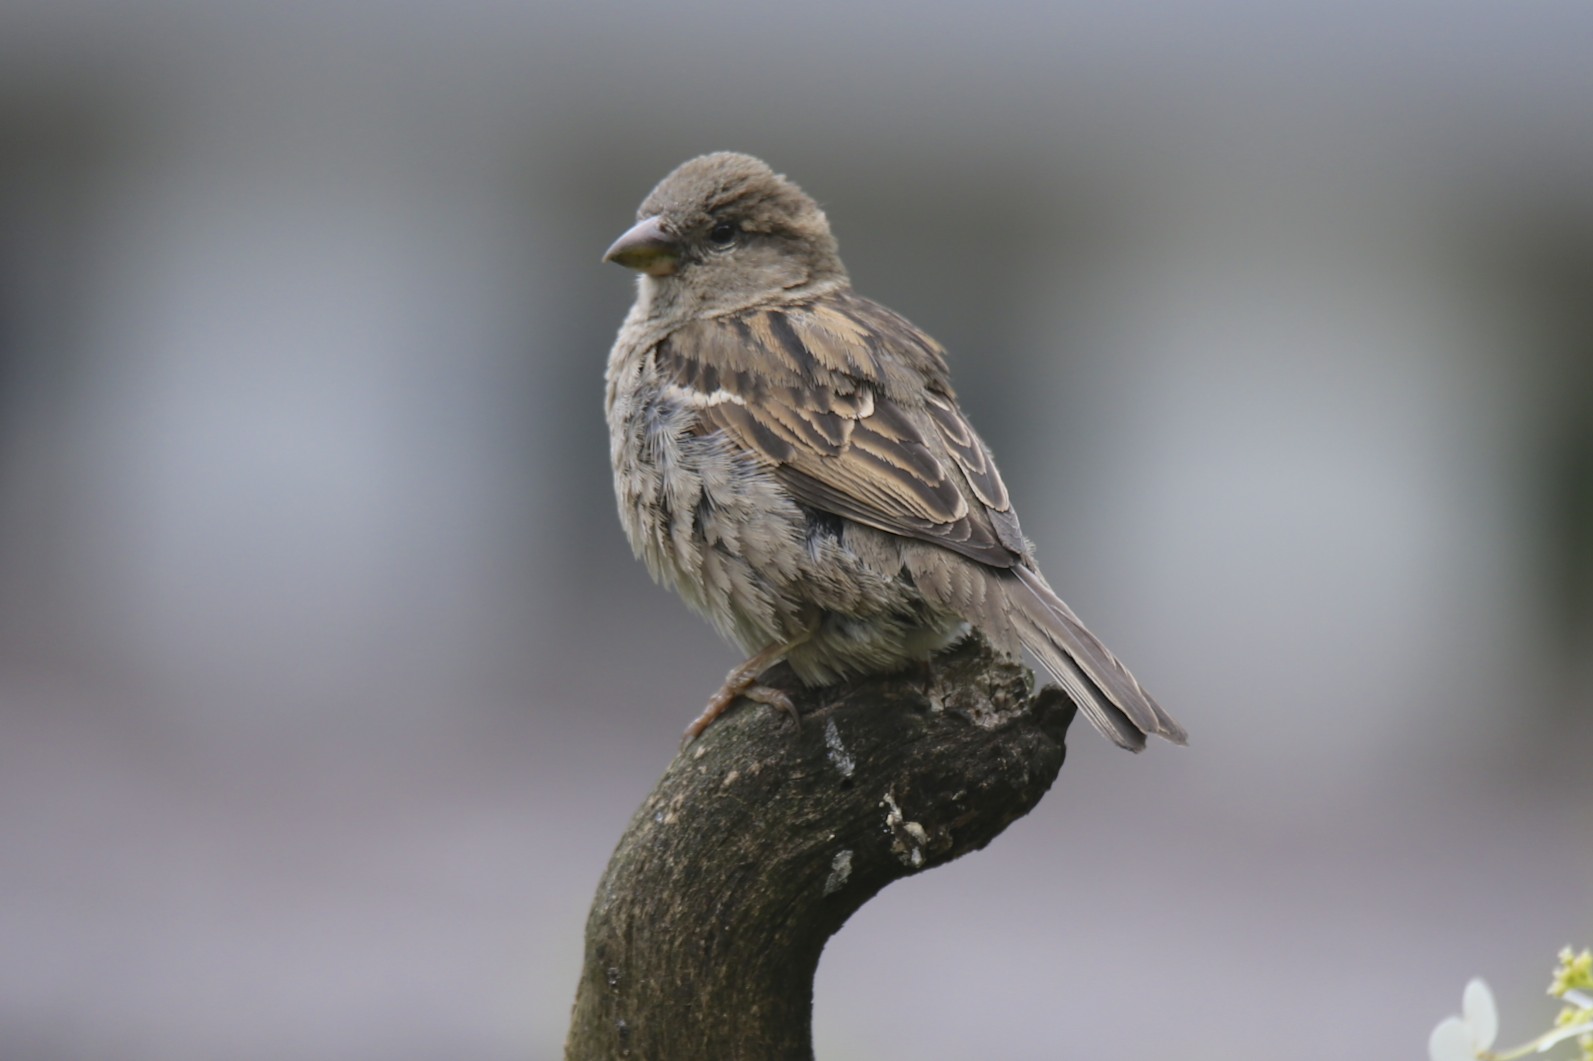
327, 681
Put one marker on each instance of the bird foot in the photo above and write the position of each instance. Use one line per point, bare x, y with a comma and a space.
741, 682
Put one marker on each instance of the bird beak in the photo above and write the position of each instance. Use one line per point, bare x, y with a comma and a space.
647, 248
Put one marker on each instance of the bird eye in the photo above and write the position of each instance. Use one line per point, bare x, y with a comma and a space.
723, 235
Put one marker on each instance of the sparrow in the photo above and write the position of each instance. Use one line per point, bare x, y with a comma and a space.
789, 457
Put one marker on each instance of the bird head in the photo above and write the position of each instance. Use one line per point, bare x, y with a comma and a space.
724, 231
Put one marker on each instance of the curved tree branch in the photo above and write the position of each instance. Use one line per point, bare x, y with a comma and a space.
760, 841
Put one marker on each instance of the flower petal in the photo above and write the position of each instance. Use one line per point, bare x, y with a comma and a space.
1451, 1041
1478, 1008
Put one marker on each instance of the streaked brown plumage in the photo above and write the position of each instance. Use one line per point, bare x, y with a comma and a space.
790, 458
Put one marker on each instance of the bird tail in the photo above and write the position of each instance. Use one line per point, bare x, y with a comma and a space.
1101, 686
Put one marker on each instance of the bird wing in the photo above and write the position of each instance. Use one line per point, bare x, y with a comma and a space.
850, 405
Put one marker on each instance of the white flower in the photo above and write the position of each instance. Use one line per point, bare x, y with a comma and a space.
1468, 1036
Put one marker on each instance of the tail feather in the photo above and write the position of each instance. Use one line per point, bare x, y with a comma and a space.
1102, 687
1014, 607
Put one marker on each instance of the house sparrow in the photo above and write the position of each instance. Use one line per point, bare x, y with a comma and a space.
790, 458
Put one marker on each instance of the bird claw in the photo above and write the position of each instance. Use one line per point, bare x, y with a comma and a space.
769, 695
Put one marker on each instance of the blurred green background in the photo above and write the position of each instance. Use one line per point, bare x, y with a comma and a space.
327, 681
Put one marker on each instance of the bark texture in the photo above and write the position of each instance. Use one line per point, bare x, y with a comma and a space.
761, 839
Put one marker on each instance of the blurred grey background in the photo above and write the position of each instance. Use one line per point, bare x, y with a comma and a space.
327, 681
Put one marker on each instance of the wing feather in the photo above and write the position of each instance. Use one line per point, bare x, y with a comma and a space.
851, 406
